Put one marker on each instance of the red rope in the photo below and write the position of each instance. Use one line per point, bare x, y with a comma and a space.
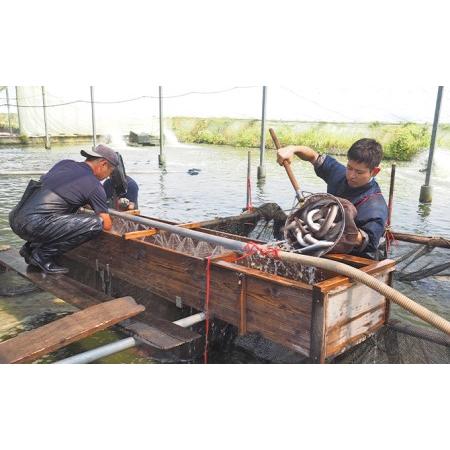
252, 248
389, 238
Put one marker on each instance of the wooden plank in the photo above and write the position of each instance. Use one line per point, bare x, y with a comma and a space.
83, 296
276, 279
190, 225
139, 234
351, 260
342, 282
359, 330
62, 286
243, 306
351, 314
31, 345
317, 347
161, 334
345, 305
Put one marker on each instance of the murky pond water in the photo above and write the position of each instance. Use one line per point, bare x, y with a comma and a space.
219, 189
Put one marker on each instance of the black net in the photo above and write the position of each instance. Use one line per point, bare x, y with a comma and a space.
391, 346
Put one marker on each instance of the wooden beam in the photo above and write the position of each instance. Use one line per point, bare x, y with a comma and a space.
139, 234
189, 225
83, 296
243, 305
341, 281
432, 241
31, 345
317, 346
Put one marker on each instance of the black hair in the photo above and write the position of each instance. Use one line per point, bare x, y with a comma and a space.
367, 151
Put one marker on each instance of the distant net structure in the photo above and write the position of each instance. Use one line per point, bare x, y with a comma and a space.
398, 342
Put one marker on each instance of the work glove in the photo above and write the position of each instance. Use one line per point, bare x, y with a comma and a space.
349, 238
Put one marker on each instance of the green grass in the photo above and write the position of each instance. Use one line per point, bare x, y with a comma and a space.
400, 141
4, 125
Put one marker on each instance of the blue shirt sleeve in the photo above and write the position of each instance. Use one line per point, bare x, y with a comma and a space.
132, 191
332, 172
107, 186
97, 199
372, 217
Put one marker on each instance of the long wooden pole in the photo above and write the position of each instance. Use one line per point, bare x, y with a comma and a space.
288, 168
433, 241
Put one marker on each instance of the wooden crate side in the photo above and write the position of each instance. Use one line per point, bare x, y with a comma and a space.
164, 272
342, 282
353, 314
275, 308
279, 311
317, 347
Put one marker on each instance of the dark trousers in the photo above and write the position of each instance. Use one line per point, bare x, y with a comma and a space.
39, 221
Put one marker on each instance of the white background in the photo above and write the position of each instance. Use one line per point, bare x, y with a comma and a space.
210, 44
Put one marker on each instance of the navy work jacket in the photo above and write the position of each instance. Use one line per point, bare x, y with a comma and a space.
368, 200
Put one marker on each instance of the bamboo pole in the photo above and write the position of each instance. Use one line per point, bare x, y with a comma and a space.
432, 241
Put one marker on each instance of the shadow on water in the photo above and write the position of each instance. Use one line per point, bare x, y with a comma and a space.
219, 189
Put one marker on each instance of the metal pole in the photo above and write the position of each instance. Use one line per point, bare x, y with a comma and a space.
44, 105
248, 205
18, 111
94, 133
161, 159
186, 322
123, 344
9, 112
391, 194
262, 148
426, 191
101, 352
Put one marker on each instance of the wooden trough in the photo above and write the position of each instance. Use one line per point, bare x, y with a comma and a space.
319, 320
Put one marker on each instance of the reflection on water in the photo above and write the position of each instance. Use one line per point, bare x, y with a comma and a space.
424, 210
220, 189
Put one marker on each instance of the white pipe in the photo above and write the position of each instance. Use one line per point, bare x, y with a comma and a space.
123, 344
100, 352
191, 320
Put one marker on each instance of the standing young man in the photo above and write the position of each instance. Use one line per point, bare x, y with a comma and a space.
354, 182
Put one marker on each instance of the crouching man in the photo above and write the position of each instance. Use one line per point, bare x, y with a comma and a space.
46, 215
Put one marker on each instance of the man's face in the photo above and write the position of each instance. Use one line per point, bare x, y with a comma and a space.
359, 174
105, 169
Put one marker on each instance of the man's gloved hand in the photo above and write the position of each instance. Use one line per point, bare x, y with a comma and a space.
351, 235
123, 203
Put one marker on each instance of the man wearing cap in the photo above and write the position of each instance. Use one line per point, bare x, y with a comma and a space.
46, 215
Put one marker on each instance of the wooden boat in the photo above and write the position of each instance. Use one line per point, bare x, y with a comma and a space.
315, 313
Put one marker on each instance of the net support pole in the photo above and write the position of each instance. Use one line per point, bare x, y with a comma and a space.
426, 191
161, 158
94, 133
262, 147
9, 111
44, 106
18, 110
